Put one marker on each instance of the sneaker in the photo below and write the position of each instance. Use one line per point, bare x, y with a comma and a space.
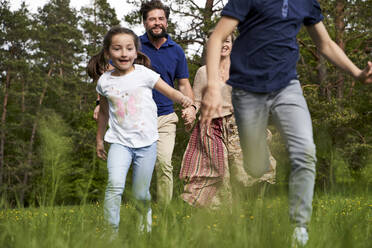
146, 224
300, 237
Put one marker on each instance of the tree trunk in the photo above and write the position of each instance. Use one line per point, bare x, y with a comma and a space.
340, 29
31, 145
207, 20
322, 77
3, 119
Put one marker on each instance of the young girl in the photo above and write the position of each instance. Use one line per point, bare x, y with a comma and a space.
126, 103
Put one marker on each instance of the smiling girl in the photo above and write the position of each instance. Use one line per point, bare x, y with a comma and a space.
127, 105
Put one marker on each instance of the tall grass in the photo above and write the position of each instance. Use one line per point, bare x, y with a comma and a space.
253, 221
55, 152
341, 218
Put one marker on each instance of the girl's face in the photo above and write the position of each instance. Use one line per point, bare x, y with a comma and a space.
226, 47
122, 52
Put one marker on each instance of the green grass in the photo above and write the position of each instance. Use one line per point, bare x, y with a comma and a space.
339, 220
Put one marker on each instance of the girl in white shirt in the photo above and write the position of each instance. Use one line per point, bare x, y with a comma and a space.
126, 104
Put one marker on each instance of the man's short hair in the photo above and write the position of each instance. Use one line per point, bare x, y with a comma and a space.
146, 7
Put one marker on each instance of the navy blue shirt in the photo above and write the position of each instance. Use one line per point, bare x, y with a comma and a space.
265, 54
170, 62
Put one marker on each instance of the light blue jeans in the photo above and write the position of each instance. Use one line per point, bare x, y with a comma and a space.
118, 163
291, 116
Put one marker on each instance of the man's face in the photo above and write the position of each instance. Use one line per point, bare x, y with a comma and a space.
156, 24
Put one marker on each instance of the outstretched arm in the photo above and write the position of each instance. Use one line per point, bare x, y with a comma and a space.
212, 99
336, 55
103, 117
172, 93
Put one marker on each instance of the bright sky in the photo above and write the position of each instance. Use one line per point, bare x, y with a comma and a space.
118, 5
121, 7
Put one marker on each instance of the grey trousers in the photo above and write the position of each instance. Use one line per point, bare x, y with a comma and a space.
291, 116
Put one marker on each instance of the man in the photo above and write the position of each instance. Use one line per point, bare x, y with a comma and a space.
264, 80
167, 59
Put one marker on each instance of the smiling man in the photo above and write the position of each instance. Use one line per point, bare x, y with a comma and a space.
169, 60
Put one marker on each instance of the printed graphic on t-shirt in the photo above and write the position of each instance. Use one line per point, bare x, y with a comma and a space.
127, 107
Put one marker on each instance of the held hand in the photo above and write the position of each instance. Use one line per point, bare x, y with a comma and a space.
189, 115
211, 104
185, 101
100, 149
95, 113
366, 75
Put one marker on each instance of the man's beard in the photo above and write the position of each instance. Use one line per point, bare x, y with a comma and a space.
163, 33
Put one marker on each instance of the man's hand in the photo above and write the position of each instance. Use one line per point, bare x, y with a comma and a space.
366, 75
211, 104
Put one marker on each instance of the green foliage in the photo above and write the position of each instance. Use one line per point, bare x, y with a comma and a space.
42, 70
96, 21
339, 106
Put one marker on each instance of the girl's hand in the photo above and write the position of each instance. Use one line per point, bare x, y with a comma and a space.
185, 101
100, 149
95, 113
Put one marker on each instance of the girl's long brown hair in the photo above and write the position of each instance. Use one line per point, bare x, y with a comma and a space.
97, 65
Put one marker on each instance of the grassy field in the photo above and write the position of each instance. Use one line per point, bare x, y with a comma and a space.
339, 220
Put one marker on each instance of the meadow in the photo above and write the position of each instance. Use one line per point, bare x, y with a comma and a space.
255, 220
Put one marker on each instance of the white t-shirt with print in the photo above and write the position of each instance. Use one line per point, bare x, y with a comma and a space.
132, 111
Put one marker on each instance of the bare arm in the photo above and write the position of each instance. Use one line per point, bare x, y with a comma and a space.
212, 98
103, 117
185, 87
189, 113
329, 49
172, 93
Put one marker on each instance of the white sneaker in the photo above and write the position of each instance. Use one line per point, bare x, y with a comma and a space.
300, 237
148, 223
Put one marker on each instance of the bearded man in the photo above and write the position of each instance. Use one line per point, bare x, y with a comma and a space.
169, 60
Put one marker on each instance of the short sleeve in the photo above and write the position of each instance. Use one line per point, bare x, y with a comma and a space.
99, 86
152, 77
237, 9
182, 71
315, 15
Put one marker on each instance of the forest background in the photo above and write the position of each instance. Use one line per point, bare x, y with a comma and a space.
47, 133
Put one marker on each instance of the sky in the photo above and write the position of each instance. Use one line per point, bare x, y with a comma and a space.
118, 5
121, 7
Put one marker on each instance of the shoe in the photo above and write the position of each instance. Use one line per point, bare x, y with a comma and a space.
300, 237
146, 225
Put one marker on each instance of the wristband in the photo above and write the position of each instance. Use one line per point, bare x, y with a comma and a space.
193, 105
97, 102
